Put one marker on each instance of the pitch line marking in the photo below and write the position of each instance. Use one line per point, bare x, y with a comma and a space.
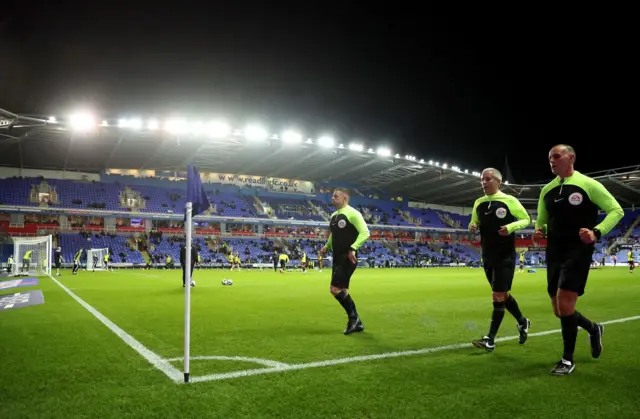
330, 362
154, 359
265, 362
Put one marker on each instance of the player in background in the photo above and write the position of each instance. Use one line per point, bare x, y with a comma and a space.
497, 216
76, 261
568, 216
183, 260
349, 232
9, 263
632, 265
283, 259
26, 260
168, 262
231, 260
236, 260
58, 259
522, 260
320, 262
106, 262
303, 262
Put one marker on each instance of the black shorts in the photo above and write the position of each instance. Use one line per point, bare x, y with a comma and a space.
341, 271
500, 273
631, 263
569, 271
58, 265
283, 264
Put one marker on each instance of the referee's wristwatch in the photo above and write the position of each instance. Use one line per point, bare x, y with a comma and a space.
597, 233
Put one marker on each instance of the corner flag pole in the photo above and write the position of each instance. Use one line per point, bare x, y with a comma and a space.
187, 289
197, 203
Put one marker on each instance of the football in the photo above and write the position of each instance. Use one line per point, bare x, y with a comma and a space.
193, 283
227, 282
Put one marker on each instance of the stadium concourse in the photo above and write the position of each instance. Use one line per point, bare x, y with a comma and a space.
120, 184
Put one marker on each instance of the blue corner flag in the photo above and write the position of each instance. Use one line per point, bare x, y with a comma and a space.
195, 192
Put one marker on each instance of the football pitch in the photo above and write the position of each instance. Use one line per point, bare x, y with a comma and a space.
110, 345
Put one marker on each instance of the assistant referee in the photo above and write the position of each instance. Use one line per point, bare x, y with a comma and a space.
349, 231
568, 215
497, 216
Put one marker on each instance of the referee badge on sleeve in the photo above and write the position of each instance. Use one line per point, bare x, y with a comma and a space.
342, 223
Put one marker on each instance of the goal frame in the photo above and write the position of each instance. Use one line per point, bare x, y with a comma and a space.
90, 253
42, 262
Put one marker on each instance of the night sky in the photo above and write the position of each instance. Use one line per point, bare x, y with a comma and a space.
465, 86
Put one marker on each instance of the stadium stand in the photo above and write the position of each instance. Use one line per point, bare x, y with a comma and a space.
136, 210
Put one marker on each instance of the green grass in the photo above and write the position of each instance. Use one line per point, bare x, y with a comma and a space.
59, 361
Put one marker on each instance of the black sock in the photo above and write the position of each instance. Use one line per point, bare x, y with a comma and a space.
496, 318
342, 299
512, 307
569, 335
585, 323
352, 313
345, 300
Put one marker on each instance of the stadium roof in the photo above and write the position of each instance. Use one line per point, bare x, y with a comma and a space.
38, 143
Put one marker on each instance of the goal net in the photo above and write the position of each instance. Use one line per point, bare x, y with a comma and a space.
32, 255
95, 259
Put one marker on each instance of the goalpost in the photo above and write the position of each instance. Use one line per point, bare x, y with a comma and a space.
95, 259
38, 252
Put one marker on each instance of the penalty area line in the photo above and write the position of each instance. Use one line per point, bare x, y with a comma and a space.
331, 362
154, 359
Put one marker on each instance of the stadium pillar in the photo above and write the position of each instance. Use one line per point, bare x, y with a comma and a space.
223, 227
260, 229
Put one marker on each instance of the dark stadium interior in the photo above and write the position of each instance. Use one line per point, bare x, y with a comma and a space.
342, 139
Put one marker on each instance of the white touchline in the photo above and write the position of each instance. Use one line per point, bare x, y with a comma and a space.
291, 367
154, 359
164, 365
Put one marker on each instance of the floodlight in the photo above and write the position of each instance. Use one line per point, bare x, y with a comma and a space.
255, 133
383, 151
290, 136
356, 147
82, 121
218, 129
325, 141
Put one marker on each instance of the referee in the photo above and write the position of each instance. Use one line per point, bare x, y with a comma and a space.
497, 216
183, 258
348, 233
568, 216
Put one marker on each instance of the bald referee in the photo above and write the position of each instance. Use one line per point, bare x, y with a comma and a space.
568, 215
349, 232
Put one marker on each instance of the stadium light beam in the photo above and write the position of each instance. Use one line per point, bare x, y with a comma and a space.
291, 136
82, 122
255, 133
176, 126
325, 141
135, 123
153, 125
356, 147
384, 152
218, 129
